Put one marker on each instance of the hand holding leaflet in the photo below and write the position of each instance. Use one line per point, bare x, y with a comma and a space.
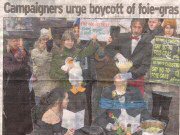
71, 120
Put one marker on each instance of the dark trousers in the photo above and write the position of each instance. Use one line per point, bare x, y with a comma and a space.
162, 103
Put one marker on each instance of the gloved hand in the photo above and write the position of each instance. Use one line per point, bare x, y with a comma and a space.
120, 58
126, 76
49, 45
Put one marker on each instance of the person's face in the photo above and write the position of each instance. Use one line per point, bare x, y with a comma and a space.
153, 23
16, 43
42, 43
65, 101
69, 43
118, 81
44, 39
136, 28
76, 30
169, 31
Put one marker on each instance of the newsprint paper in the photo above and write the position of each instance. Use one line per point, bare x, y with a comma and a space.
117, 60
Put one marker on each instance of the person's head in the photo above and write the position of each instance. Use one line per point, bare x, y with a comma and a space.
76, 30
76, 27
119, 82
16, 46
15, 43
44, 37
137, 26
68, 39
169, 27
58, 97
154, 23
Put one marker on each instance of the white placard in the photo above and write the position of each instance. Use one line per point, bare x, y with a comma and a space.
71, 120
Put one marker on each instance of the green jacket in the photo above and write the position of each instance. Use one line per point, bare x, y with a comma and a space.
58, 60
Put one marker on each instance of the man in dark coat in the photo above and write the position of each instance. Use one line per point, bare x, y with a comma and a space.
16, 75
136, 47
154, 27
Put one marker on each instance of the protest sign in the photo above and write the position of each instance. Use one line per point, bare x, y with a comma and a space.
165, 61
98, 27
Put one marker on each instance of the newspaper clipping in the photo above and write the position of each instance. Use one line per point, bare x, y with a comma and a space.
89, 67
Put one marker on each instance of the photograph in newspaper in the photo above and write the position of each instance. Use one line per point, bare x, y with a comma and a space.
110, 76
89, 67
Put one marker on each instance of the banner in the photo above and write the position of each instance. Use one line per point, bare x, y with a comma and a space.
165, 61
98, 27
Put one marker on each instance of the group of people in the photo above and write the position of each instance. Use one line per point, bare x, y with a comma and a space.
37, 88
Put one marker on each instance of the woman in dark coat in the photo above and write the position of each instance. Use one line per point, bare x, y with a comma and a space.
48, 116
16, 75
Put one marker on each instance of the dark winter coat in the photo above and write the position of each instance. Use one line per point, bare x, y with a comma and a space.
17, 107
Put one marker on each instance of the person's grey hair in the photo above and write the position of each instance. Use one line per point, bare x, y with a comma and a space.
141, 21
8, 40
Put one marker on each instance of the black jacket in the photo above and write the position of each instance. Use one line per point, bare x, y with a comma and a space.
132, 94
141, 56
157, 32
17, 107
